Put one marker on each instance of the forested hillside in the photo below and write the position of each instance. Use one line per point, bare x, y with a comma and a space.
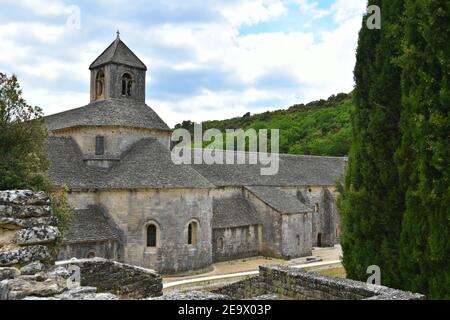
318, 128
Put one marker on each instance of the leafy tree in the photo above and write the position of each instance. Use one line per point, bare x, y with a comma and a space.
371, 205
22, 137
23, 163
425, 152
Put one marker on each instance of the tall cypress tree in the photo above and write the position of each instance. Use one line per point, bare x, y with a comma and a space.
371, 205
425, 152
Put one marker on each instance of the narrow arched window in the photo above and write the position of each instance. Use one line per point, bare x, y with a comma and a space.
192, 233
127, 85
152, 236
100, 84
220, 244
99, 145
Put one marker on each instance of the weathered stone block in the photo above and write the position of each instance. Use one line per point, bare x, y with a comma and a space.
24, 255
20, 288
37, 235
8, 273
23, 212
32, 268
23, 197
15, 224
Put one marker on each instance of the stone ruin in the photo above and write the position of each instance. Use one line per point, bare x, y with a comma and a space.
28, 250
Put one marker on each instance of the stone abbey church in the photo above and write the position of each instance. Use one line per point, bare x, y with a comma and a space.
134, 205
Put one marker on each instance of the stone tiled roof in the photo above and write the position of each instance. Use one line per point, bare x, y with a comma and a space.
278, 199
147, 164
110, 112
232, 212
119, 53
90, 225
293, 171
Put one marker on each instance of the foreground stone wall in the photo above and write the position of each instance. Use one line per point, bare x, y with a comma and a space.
290, 283
28, 231
122, 279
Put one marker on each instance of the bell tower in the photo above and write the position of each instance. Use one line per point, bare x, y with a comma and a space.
118, 74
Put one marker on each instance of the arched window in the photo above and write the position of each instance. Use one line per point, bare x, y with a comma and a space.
99, 145
100, 84
316, 207
152, 235
90, 254
192, 233
220, 244
127, 84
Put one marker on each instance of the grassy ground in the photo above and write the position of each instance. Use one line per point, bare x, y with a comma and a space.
333, 272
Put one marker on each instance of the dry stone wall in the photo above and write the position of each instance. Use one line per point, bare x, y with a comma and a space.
28, 235
112, 276
28, 231
290, 283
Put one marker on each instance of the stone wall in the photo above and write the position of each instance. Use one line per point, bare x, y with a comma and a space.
117, 139
121, 279
236, 243
325, 217
271, 227
107, 249
291, 283
296, 235
113, 82
28, 231
171, 210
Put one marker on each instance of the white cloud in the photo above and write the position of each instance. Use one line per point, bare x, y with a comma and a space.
46, 7
311, 8
347, 9
240, 13
41, 32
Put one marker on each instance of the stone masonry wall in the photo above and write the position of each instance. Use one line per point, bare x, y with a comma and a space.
28, 231
28, 235
171, 210
236, 243
297, 284
118, 278
117, 139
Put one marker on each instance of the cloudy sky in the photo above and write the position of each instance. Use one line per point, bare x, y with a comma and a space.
207, 59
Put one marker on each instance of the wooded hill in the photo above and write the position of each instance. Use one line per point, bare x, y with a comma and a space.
320, 127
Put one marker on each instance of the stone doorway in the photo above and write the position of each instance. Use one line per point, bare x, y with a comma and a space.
319, 240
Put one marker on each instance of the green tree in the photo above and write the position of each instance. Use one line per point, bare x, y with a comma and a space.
425, 152
22, 137
371, 205
23, 163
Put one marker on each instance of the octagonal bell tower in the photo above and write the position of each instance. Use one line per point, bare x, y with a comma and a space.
118, 74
